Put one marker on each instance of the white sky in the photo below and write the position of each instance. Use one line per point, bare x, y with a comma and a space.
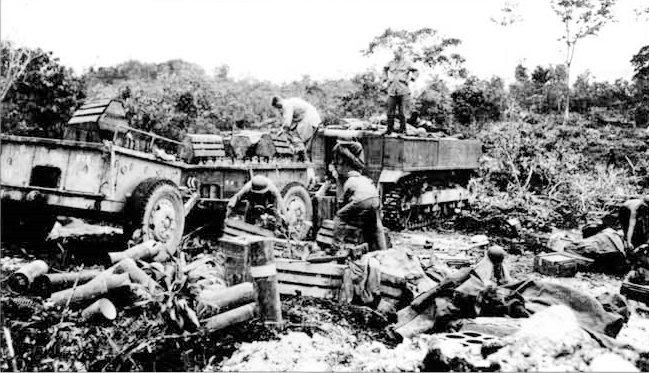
284, 39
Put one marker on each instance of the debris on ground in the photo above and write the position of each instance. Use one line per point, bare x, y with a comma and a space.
186, 293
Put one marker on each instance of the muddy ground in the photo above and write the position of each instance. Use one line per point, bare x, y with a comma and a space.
318, 334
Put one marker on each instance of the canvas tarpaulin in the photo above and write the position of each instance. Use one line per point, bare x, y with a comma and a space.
472, 293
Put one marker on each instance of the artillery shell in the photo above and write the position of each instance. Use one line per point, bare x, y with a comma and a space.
101, 308
22, 279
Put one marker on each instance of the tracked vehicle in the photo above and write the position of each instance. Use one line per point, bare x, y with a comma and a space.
419, 178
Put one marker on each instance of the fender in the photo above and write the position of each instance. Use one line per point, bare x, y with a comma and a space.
391, 176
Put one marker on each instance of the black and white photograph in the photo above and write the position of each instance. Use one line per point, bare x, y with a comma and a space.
324, 185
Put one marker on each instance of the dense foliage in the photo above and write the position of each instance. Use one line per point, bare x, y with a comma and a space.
176, 97
41, 97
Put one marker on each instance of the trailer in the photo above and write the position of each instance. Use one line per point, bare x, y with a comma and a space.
106, 170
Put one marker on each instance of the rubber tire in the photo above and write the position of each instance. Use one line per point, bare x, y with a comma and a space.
141, 202
298, 190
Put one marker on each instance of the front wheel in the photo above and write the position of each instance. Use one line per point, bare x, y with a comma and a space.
299, 210
156, 208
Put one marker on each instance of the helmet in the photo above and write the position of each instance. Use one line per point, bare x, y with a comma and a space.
259, 184
351, 152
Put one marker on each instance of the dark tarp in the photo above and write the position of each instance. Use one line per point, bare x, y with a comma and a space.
590, 312
606, 248
469, 293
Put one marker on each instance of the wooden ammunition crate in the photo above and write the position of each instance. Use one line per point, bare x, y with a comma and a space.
204, 146
561, 264
325, 280
282, 145
349, 234
320, 280
324, 238
239, 228
236, 252
636, 292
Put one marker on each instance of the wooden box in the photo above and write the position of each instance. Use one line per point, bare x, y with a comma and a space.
320, 280
325, 280
199, 147
324, 238
636, 292
239, 228
237, 266
561, 264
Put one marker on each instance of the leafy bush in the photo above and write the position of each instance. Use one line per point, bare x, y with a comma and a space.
479, 100
42, 98
569, 168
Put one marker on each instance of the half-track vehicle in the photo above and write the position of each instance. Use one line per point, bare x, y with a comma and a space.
419, 178
105, 170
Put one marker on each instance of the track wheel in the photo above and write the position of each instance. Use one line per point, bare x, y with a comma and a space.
299, 209
396, 210
156, 207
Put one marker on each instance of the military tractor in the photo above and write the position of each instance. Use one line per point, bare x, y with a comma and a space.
419, 178
105, 170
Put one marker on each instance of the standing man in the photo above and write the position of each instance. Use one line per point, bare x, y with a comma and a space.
361, 205
300, 120
398, 74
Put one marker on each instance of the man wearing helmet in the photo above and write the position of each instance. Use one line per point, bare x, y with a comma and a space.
262, 198
361, 205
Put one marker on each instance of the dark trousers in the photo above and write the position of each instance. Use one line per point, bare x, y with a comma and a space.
397, 106
364, 215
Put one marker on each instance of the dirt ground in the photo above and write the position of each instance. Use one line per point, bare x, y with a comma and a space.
318, 334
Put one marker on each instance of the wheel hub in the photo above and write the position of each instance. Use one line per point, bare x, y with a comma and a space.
162, 220
295, 210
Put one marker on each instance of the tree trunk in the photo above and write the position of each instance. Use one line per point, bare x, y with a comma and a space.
566, 114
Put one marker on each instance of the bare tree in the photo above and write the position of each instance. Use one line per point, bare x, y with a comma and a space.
13, 64
581, 18
424, 46
642, 13
508, 15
